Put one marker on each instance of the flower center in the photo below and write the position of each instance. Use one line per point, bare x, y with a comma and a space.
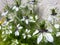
41, 31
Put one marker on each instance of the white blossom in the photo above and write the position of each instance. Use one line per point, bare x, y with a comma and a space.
4, 13
57, 34
24, 36
56, 25
19, 27
36, 17
17, 33
15, 8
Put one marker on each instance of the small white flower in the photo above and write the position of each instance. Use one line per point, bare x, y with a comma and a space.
58, 34
10, 31
50, 18
48, 37
23, 19
24, 36
29, 36
3, 32
27, 31
56, 25
36, 17
15, 8
31, 19
19, 27
16, 41
17, 33
4, 13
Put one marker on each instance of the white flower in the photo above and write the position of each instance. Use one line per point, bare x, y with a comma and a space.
27, 31
50, 18
29, 36
36, 17
31, 19
48, 37
15, 8
17, 33
56, 25
26, 34
10, 31
19, 27
26, 20
4, 13
58, 34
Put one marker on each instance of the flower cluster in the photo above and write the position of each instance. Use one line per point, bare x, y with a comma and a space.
20, 25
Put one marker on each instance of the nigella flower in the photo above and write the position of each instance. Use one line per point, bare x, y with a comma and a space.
57, 34
17, 30
26, 34
28, 19
56, 25
43, 33
4, 13
15, 8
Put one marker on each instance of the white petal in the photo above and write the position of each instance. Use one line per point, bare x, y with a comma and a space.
35, 32
48, 37
20, 27
10, 31
14, 8
50, 30
24, 36
58, 34
17, 33
32, 21
31, 17
27, 21
29, 36
56, 25
50, 18
36, 17
39, 38
17, 9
